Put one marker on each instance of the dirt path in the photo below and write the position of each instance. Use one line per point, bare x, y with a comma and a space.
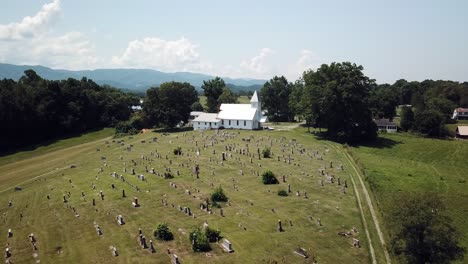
370, 205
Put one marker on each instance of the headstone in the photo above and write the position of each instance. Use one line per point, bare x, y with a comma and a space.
98, 230
175, 259
152, 247
7, 252
120, 220
280, 227
114, 251
64, 199
135, 202
289, 188
345, 183
227, 246
356, 243
10, 234
284, 178
319, 222
123, 194
94, 202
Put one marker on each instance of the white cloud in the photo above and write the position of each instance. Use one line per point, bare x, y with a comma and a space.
307, 60
29, 42
30, 26
164, 55
259, 66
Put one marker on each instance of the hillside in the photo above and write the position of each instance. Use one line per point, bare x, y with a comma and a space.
66, 231
130, 79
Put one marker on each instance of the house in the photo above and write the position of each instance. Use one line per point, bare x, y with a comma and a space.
237, 116
385, 125
460, 113
462, 132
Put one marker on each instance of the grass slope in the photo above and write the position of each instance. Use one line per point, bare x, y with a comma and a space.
407, 163
249, 222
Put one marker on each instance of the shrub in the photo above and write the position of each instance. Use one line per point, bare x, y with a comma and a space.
266, 152
282, 193
212, 235
218, 195
162, 232
168, 175
178, 151
269, 178
199, 241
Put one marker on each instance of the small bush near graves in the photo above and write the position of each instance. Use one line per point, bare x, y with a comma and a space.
218, 195
168, 175
212, 235
269, 178
216, 205
178, 151
282, 193
162, 232
199, 240
266, 152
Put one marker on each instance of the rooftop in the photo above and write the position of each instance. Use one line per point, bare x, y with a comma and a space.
384, 122
462, 130
237, 112
207, 117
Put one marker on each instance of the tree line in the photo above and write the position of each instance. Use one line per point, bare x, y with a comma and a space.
34, 109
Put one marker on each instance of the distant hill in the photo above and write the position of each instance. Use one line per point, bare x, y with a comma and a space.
128, 79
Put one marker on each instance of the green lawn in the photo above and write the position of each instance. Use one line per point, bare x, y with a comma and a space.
407, 163
249, 223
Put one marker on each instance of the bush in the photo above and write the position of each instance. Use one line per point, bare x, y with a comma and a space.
162, 232
212, 235
282, 193
266, 152
269, 178
199, 240
218, 195
178, 151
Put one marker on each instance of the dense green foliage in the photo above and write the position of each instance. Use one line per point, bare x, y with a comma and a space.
162, 232
282, 193
212, 235
217, 93
421, 232
266, 152
34, 109
212, 89
269, 178
218, 195
337, 97
199, 240
227, 97
169, 104
275, 98
407, 118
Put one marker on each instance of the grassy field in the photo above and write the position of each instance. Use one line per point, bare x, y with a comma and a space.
407, 163
249, 222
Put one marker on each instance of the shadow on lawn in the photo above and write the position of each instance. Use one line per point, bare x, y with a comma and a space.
379, 142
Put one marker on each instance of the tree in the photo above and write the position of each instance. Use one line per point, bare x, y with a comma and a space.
407, 118
383, 101
169, 104
421, 232
212, 89
227, 97
295, 103
218, 195
430, 123
275, 99
199, 240
338, 97
269, 178
197, 107
162, 232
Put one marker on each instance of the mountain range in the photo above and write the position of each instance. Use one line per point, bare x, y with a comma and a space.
137, 80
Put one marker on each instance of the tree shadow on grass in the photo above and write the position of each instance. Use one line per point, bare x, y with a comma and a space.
379, 142
21, 145
172, 130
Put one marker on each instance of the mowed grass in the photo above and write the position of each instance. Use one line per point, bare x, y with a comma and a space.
407, 163
249, 221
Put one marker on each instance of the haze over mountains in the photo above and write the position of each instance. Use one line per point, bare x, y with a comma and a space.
130, 79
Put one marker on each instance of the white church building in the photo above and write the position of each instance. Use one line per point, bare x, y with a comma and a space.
236, 116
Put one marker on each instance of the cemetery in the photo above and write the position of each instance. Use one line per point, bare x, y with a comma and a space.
217, 193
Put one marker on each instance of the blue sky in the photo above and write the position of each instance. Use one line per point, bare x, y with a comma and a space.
414, 40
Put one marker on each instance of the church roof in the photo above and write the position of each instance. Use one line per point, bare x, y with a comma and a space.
207, 117
254, 98
237, 112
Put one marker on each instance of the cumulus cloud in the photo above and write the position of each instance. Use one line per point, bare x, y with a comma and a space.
258, 66
160, 54
29, 42
30, 26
